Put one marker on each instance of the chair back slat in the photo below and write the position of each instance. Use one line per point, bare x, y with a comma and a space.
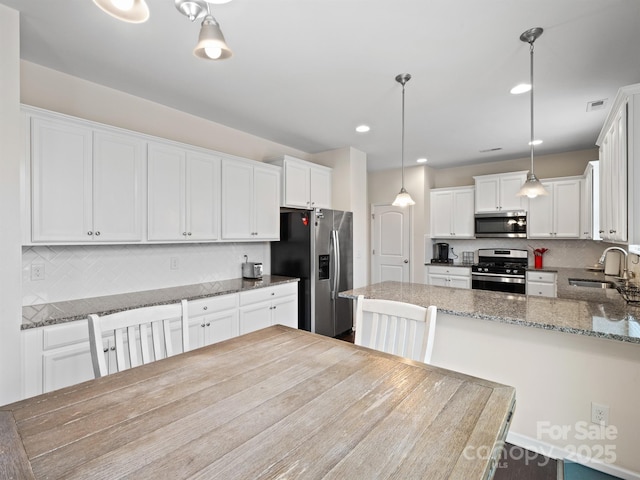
141, 335
395, 327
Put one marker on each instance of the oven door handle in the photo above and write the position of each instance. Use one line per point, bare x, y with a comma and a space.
497, 278
496, 275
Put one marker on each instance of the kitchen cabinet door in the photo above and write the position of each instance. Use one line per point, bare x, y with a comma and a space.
117, 187
452, 213
487, 194
237, 200
166, 192
510, 185
540, 218
202, 190
441, 214
297, 185
254, 317
566, 209
61, 176
266, 205
321, 183
285, 311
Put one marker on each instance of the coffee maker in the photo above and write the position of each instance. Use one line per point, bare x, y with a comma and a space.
440, 253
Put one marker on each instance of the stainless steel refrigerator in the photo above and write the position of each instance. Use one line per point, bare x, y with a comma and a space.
317, 247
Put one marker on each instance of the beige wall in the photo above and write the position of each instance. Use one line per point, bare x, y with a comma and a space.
545, 166
10, 248
53, 90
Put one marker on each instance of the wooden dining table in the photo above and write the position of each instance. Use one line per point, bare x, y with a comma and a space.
275, 403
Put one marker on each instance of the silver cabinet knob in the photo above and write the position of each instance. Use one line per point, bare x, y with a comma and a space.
89, 232
406, 260
205, 307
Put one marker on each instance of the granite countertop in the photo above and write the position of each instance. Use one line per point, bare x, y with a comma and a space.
60, 312
578, 310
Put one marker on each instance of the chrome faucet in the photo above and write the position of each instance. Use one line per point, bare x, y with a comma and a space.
625, 274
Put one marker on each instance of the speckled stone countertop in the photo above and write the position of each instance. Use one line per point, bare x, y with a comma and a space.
578, 310
60, 312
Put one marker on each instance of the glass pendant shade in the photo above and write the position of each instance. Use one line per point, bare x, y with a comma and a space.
132, 11
532, 187
403, 199
211, 43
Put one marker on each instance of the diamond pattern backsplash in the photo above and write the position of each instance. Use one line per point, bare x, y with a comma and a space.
81, 271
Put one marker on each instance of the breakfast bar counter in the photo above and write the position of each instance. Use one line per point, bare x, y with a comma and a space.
275, 403
602, 314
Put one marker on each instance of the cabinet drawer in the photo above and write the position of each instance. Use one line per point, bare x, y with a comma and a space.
65, 334
449, 270
542, 277
202, 306
541, 289
268, 293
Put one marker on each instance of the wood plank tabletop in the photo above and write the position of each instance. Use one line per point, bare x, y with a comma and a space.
276, 403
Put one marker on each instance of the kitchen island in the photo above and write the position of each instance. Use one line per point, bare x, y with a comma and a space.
561, 355
275, 403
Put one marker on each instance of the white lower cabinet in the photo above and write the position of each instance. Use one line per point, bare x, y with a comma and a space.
212, 320
542, 284
58, 356
264, 307
448, 276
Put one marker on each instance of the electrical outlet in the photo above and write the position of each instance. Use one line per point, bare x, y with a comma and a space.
37, 272
174, 263
599, 414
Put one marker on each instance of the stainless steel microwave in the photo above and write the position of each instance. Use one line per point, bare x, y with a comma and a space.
511, 224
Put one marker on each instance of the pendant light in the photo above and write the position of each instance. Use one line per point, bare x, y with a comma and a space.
532, 187
132, 11
403, 199
211, 43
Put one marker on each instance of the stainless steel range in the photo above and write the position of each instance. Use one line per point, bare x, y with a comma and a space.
500, 270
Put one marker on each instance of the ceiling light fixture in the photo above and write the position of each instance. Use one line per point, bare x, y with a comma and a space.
363, 128
132, 11
211, 43
421, 160
403, 199
532, 187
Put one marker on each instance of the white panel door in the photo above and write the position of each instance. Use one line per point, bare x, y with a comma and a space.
117, 187
391, 243
166, 194
61, 172
237, 200
203, 196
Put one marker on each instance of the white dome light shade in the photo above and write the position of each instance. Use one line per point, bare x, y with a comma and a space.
132, 11
532, 187
211, 44
403, 199
520, 88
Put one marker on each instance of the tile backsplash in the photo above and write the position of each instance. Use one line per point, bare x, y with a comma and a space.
81, 271
562, 253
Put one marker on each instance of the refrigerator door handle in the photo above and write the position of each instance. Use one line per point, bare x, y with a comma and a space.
335, 240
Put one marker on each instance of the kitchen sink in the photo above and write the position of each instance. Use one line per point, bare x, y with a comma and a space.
578, 282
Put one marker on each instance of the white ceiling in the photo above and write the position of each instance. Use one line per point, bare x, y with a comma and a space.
306, 72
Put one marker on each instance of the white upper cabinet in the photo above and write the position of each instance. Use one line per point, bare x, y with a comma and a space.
250, 201
184, 194
498, 192
558, 214
452, 212
613, 176
304, 184
86, 183
590, 218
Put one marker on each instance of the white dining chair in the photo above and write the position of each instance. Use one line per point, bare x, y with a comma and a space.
140, 336
393, 327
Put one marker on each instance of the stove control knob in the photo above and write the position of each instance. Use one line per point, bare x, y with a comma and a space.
509, 271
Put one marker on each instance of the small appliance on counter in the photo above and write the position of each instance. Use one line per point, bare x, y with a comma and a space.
441, 253
251, 270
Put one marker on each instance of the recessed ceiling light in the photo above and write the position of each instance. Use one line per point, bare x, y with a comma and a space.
421, 160
363, 128
535, 142
521, 88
